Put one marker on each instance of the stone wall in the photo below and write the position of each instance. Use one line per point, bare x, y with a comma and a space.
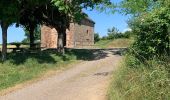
84, 34
78, 35
48, 37
70, 36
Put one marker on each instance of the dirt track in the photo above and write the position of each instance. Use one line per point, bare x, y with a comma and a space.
88, 80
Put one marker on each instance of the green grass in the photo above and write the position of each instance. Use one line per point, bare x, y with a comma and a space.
122, 42
116, 43
21, 67
138, 81
103, 43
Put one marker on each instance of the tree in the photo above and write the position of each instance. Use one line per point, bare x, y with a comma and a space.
58, 14
29, 17
9, 14
37, 34
137, 7
71, 10
113, 33
96, 37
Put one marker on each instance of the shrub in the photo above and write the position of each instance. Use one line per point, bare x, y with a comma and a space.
152, 31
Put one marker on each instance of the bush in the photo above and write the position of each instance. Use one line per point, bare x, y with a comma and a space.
127, 34
152, 31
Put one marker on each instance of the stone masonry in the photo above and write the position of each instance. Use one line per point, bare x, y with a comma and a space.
77, 36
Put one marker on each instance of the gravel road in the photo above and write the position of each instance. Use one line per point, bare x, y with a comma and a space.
88, 80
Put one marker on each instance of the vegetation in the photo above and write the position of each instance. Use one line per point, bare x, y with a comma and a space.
145, 73
153, 34
115, 34
114, 39
121, 43
96, 37
116, 43
138, 81
37, 35
103, 43
56, 13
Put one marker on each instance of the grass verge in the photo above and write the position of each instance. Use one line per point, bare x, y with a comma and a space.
103, 43
116, 43
138, 81
21, 67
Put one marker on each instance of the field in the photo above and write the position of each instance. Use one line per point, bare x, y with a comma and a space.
117, 43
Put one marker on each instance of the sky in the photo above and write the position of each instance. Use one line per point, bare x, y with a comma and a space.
103, 22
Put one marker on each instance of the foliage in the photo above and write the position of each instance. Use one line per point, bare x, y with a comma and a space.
96, 37
55, 13
37, 35
8, 9
153, 34
104, 38
138, 7
145, 73
9, 14
115, 34
128, 34
135, 81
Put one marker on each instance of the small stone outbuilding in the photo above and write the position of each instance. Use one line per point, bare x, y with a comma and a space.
77, 36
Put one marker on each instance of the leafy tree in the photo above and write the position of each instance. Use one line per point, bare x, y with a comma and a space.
137, 7
30, 16
55, 13
71, 10
113, 33
9, 14
37, 35
96, 37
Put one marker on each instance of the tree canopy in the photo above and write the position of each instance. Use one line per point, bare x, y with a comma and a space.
56, 13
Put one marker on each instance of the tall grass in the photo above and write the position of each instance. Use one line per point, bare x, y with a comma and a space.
138, 81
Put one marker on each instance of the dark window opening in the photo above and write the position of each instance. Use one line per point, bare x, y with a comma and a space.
87, 31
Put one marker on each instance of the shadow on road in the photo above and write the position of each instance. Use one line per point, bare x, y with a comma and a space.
96, 54
52, 57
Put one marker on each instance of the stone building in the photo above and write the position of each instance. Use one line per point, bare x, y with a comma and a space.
77, 36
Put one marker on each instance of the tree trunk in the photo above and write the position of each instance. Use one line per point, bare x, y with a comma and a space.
32, 38
4, 27
61, 40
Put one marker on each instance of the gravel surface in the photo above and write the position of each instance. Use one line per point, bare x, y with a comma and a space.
88, 80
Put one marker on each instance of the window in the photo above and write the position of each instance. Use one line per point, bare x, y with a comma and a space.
87, 31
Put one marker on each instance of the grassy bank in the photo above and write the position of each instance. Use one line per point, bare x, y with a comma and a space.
116, 43
138, 81
21, 67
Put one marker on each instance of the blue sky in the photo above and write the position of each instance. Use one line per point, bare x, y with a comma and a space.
103, 22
